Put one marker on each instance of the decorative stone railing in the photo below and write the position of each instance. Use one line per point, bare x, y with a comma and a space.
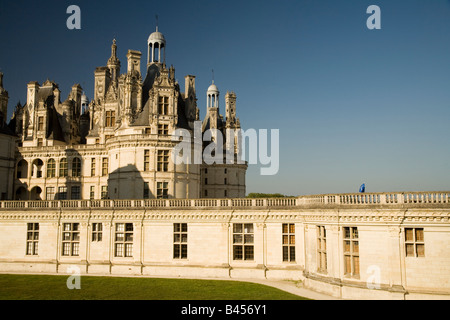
441, 197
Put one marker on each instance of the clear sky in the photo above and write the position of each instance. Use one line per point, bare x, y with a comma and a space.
352, 105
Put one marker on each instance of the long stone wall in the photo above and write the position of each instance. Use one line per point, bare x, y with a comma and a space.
381, 245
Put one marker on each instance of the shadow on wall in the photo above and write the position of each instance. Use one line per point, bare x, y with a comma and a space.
127, 183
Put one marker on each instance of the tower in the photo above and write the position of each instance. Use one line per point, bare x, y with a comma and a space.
156, 48
114, 63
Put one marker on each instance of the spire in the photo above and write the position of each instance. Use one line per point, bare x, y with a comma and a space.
113, 62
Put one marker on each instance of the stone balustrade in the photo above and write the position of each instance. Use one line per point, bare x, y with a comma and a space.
441, 197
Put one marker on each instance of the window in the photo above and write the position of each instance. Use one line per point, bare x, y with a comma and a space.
51, 168
32, 239
225, 181
104, 192
146, 160
40, 142
163, 160
163, 129
62, 193
110, 118
288, 238
148, 131
92, 193
97, 229
414, 242
92, 167
242, 241
75, 193
206, 180
76, 167
206, 193
50, 193
71, 239
321, 249
63, 169
146, 190
104, 166
180, 240
225, 193
123, 241
162, 190
40, 123
163, 105
351, 251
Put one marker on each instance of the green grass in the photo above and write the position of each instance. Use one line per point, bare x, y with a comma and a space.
53, 287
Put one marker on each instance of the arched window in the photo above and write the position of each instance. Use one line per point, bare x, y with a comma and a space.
51, 168
63, 171
36, 169
22, 169
76, 167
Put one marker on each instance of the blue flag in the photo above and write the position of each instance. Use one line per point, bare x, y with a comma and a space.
362, 188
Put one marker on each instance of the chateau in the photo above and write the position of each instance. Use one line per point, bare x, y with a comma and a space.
119, 145
91, 186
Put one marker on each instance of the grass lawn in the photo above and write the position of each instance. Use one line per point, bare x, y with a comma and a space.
53, 287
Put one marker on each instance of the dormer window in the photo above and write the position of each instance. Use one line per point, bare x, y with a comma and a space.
110, 118
163, 105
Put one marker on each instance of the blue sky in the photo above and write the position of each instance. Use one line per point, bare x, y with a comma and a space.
352, 105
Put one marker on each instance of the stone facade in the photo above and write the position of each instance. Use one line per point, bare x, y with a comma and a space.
363, 246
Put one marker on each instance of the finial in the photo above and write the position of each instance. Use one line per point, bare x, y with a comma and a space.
156, 22
212, 70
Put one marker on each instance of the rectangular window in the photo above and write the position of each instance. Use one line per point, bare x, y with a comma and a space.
146, 190
321, 249
40, 123
32, 239
110, 118
75, 193
180, 240
71, 239
62, 193
104, 166
104, 192
146, 160
92, 192
288, 240
50, 193
414, 242
162, 190
163, 105
351, 251
123, 240
63, 168
97, 229
51, 168
243, 241
163, 160
92, 167
163, 129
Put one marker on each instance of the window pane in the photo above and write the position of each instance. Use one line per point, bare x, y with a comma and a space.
237, 238
176, 250
248, 238
355, 247
347, 265
410, 250
292, 228
285, 253
420, 250
356, 265
291, 239
248, 252
237, 227
184, 227
184, 237
248, 228
237, 252
285, 239
419, 235
409, 235
292, 253
346, 246
285, 228
346, 232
